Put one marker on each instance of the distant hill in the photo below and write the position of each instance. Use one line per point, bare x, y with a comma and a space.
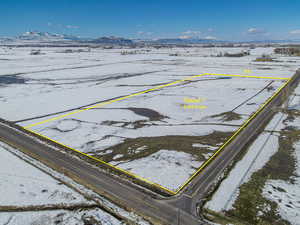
37, 38
45, 36
185, 41
112, 40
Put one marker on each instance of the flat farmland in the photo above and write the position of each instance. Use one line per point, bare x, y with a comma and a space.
98, 103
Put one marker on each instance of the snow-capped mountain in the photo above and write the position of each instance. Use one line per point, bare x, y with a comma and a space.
45, 36
36, 38
6, 39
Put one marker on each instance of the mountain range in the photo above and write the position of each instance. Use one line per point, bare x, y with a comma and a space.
46, 36
36, 37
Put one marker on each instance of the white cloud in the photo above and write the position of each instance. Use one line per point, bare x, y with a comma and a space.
210, 29
144, 33
185, 37
192, 32
49, 24
71, 27
295, 32
210, 38
256, 31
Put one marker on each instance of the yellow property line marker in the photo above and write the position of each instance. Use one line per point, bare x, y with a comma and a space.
105, 163
114, 100
149, 90
247, 76
146, 91
245, 124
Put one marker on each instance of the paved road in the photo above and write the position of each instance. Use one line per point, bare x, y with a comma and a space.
180, 209
197, 190
99, 181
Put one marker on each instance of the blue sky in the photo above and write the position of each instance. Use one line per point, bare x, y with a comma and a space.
221, 19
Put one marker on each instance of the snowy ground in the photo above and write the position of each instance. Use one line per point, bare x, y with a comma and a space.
285, 191
98, 129
78, 79
171, 166
36, 88
59, 217
24, 185
27, 187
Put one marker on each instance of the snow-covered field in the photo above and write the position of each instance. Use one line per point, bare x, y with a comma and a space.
38, 88
227, 192
59, 81
266, 154
24, 185
32, 193
98, 129
173, 167
62, 217
26, 188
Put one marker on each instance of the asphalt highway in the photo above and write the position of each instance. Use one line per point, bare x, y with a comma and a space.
113, 188
197, 190
179, 209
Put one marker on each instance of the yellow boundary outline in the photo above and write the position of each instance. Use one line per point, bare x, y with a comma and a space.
245, 124
105, 163
199, 170
146, 91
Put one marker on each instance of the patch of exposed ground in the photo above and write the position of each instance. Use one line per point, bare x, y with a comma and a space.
78, 216
140, 111
129, 125
265, 68
228, 116
251, 205
28, 208
151, 114
11, 79
136, 148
